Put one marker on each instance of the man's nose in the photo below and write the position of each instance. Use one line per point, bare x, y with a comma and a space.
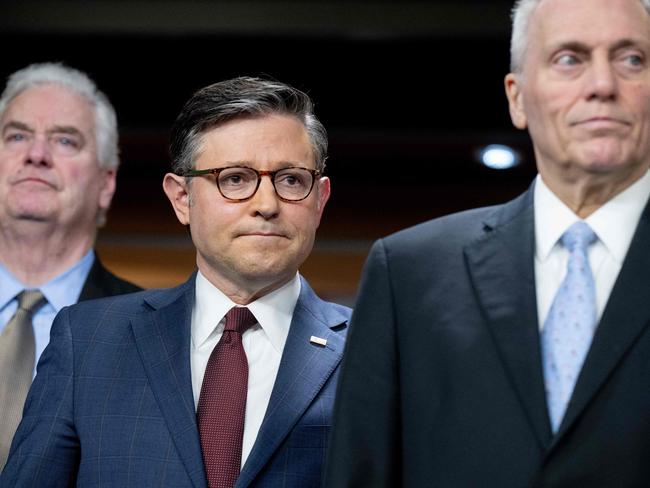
39, 152
266, 202
601, 80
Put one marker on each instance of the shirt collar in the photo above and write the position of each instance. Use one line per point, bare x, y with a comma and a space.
60, 291
10, 287
273, 311
614, 223
65, 289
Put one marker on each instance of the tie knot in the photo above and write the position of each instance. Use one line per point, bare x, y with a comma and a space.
579, 236
30, 300
238, 319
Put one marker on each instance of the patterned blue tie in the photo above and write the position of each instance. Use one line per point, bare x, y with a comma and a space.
570, 324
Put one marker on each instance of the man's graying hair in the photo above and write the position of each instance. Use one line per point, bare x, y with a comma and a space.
40, 74
238, 98
521, 15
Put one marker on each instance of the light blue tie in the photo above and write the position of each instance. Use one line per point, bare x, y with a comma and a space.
570, 324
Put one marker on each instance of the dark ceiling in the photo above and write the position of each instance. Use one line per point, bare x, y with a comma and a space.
409, 91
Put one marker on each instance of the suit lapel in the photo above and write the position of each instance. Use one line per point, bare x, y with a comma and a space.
624, 318
304, 369
501, 265
162, 337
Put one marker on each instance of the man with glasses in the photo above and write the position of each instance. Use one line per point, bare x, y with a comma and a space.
227, 380
58, 163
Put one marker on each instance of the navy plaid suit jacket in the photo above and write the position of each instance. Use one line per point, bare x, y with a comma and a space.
112, 402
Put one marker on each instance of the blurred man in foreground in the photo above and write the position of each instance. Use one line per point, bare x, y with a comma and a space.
508, 346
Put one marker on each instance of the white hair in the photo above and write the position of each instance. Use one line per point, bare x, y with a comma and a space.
56, 73
522, 12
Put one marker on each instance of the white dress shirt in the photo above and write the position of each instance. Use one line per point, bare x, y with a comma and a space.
263, 344
614, 224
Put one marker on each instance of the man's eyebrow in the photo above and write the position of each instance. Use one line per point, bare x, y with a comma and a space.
571, 46
61, 129
65, 129
624, 43
70, 130
249, 164
14, 124
578, 46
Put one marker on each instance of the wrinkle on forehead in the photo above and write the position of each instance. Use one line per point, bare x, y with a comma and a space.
590, 23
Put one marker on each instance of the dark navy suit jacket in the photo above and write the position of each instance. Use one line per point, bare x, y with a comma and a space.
112, 402
442, 385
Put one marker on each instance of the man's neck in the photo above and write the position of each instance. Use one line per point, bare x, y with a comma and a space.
586, 194
243, 291
35, 255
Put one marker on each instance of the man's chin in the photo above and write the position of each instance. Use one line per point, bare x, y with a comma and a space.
32, 214
263, 249
263, 269
606, 155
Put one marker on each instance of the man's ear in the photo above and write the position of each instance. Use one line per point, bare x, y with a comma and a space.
175, 187
323, 189
107, 191
515, 100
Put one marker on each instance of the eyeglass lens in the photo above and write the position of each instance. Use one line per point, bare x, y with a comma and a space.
241, 183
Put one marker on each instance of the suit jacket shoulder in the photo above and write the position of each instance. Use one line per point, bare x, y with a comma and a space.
102, 283
459, 229
113, 366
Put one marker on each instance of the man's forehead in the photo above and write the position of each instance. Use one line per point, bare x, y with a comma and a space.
52, 105
573, 19
565, 4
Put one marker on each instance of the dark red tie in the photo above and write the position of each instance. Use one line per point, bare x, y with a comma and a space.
222, 403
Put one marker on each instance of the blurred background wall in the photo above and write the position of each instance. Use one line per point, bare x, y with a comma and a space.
411, 93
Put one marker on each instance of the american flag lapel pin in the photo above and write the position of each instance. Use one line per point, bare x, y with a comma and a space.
318, 340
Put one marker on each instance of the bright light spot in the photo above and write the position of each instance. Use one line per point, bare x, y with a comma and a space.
498, 156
